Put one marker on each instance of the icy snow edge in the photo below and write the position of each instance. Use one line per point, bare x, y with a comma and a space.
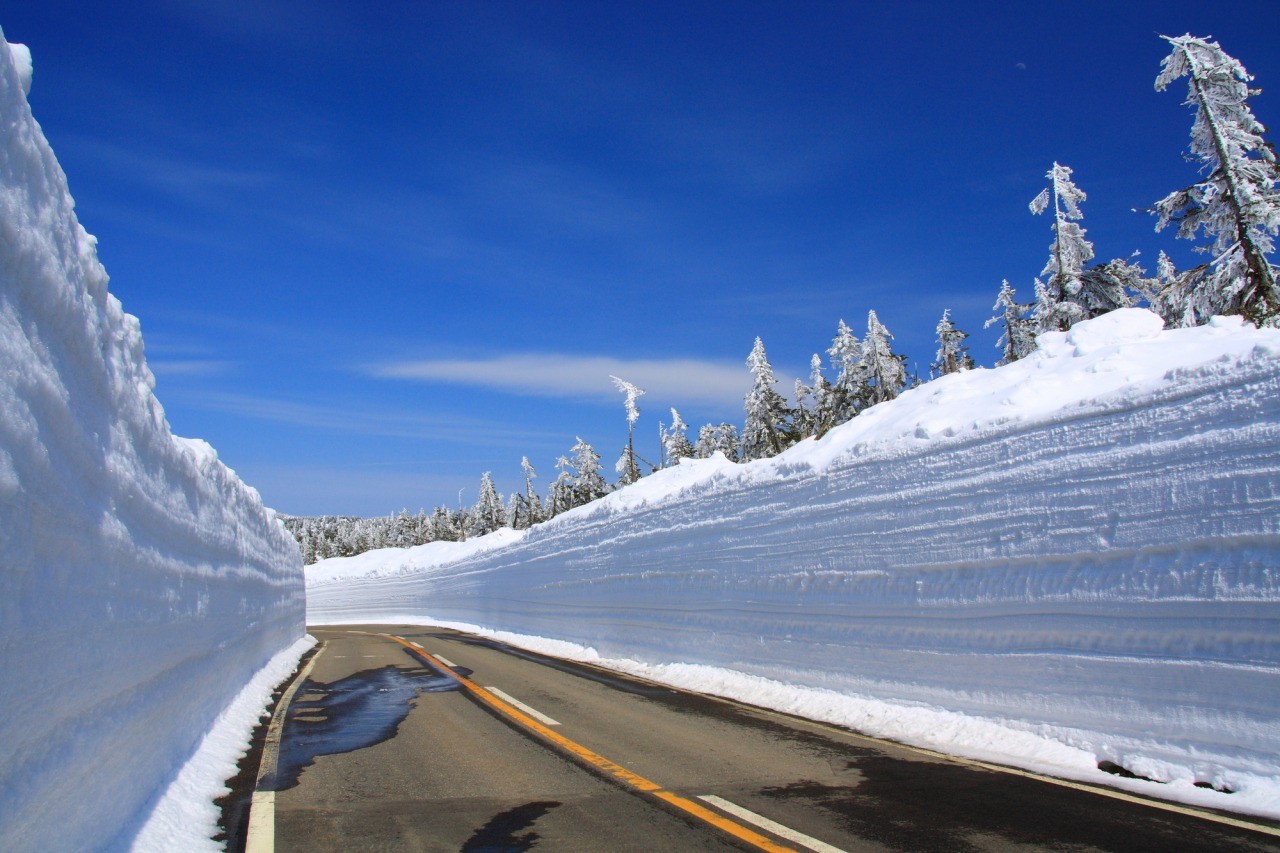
186, 817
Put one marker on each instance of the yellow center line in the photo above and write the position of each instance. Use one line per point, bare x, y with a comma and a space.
598, 761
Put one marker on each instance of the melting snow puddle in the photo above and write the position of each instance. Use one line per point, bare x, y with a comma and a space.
352, 713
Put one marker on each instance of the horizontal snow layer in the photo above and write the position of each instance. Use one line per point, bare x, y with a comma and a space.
1084, 545
142, 584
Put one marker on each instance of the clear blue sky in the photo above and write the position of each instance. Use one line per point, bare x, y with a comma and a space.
379, 249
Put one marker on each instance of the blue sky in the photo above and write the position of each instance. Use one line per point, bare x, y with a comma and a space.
379, 249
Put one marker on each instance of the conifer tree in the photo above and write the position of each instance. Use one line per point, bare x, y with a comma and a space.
1058, 307
843, 397
1018, 339
560, 496
628, 470
587, 479
953, 354
442, 527
488, 514
721, 438
676, 440
766, 431
1237, 205
882, 374
824, 404
533, 504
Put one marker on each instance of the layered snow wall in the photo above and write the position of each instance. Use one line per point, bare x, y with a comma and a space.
1081, 548
142, 585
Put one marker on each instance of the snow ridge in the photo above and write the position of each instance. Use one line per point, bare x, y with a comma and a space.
1081, 548
143, 584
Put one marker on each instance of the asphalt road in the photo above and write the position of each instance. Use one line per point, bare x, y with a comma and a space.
385, 747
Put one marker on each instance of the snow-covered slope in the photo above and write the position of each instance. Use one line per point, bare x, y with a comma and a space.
1071, 559
142, 585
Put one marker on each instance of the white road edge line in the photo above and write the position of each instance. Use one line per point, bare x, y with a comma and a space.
770, 825
537, 715
446, 662
261, 835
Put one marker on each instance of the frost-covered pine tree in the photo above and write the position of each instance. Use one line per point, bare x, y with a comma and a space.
488, 514
820, 415
882, 374
1019, 337
1060, 307
676, 440
588, 480
953, 354
532, 503
1237, 205
721, 438
628, 470
842, 399
766, 430
560, 495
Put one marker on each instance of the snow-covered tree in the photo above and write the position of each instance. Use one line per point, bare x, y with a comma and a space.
488, 514
766, 432
718, 437
1172, 293
813, 418
953, 353
443, 527
1237, 205
560, 497
1019, 337
531, 505
841, 400
882, 375
628, 470
1060, 308
676, 440
588, 482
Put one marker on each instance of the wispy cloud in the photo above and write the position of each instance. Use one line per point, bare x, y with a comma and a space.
181, 177
713, 383
189, 366
366, 421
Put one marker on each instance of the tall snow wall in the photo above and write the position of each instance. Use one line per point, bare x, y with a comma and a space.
141, 583
1084, 545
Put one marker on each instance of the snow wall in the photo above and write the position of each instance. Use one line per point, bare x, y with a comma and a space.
1083, 545
142, 584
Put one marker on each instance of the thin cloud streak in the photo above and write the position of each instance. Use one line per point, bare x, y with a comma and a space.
369, 422
557, 375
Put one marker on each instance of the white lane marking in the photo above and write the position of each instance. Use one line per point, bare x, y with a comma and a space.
770, 826
537, 715
446, 662
261, 837
416, 646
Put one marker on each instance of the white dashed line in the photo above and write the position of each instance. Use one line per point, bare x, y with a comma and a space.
537, 715
776, 828
446, 662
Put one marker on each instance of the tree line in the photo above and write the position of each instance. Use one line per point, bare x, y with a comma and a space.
1234, 210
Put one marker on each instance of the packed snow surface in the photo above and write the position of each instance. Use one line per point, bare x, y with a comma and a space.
1071, 559
142, 584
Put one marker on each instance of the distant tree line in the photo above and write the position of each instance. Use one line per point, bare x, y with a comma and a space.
1234, 208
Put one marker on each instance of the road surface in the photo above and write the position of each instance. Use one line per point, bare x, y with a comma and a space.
413, 738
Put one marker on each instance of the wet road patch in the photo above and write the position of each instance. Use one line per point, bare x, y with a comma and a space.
352, 713
499, 835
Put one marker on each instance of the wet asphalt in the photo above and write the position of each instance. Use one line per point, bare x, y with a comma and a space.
383, 752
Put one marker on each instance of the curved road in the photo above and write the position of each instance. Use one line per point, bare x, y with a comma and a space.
413, 738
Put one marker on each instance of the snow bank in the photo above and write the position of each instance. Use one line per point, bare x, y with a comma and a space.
142, 585
1071, 559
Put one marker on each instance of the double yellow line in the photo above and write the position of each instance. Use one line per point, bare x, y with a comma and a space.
599, 762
